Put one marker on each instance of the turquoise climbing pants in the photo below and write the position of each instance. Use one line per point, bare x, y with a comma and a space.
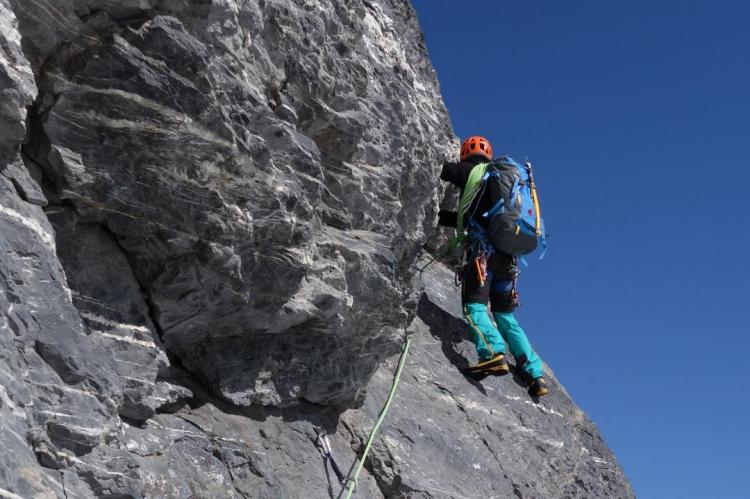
491, 339
497, 288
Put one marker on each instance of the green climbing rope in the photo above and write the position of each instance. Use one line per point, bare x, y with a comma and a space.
352, 484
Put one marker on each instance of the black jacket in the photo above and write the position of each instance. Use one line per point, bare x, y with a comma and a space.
458, 175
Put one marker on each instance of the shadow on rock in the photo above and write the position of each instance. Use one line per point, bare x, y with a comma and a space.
323, 417
451, 331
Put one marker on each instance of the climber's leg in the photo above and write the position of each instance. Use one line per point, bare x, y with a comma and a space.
475, 297
518, 343
485, 335
503, 303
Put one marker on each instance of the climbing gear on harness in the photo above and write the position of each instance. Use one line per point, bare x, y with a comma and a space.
480, 264
538, 388
476, 146
496, 365
325, 450
351, 485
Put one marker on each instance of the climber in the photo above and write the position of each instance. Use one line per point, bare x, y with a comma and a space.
488, 275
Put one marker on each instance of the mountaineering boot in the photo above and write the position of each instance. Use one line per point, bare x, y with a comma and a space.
538, 388
495, 365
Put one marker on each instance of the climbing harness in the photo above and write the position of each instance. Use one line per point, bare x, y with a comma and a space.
351, 484
325, 450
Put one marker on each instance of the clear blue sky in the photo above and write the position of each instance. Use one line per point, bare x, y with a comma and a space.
637, 117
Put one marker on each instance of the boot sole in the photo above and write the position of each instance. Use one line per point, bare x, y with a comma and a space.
540, 393
496, 370
484, 366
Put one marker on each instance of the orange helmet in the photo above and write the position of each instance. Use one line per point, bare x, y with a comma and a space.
476, 146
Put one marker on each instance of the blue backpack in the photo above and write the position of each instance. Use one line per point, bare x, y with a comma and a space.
520, 227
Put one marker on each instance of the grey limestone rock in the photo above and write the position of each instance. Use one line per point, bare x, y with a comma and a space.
231, 152
17, 86
211, 214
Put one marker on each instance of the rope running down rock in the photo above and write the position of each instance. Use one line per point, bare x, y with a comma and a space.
351, 485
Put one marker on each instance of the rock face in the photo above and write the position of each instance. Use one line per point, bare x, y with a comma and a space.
210, 220
259, 170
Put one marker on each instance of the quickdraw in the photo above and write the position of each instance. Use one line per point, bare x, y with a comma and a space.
480, 265
325, 449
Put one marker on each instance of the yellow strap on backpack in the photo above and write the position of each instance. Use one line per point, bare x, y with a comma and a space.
535, 199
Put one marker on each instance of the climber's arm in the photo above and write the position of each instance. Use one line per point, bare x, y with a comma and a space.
456, 173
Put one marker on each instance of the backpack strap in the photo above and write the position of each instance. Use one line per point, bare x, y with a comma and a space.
514, 192
478, 237
473, 183
542, 238
538, 223
490, 173
497, 209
